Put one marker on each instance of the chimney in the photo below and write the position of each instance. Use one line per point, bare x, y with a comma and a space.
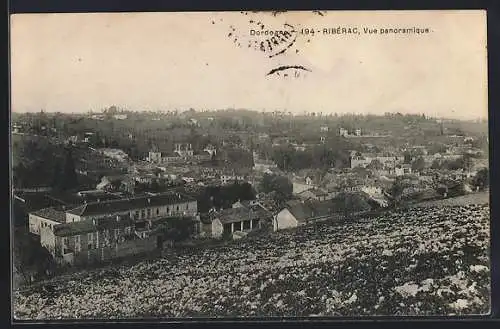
117, 218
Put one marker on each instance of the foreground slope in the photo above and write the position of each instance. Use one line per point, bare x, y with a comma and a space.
420, 261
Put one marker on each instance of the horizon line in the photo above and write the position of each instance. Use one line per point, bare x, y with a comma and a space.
267, 111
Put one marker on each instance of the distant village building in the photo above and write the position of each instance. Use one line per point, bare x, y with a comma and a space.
210, 149
120, 116
262, 165
300, 185
184, 150
343, 132
116, 154
404, 169
98, 116
324, 129
357, 132
231, 178
118, 182
16, 129
87, 137
73, 139
365, 160
183, 153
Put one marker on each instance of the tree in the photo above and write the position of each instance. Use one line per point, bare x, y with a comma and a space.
280, 184
436, 164
407, 157
56, 178
418, 164
69, 178
464, 163
375, 165
482, 179
396, 191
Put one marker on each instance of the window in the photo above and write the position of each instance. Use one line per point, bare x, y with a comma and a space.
127, 230
177, 208
90, 237
149, 213
187, 206
143, 213
64, 242
157, 211
137, 214
116, 233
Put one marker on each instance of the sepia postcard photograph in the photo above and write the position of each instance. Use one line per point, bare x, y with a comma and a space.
249, 165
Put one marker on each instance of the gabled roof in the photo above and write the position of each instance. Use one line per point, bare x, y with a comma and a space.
51, 214
111, 206
239, 214
304, 211
87, 226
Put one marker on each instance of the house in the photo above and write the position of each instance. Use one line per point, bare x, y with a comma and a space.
245, 204
116, 182
90, 241
371, 190
87, 137
116, 154
365, 160
140, 207
184, 150
298, 213
212, 150
120, 116
73, 139
98, 231
44, 218
200, 156
262, 165
242, 219
404, 169
323, 128
97, 240
231, 178
343, 132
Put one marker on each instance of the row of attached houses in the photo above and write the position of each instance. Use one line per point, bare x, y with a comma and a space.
182, 153
386, 161
98, 231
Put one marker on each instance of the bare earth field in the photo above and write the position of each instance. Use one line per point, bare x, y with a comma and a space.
419, 261
473, 198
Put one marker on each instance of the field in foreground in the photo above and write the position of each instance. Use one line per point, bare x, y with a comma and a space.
421, 261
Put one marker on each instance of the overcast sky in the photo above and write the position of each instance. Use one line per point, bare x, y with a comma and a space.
163, 61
